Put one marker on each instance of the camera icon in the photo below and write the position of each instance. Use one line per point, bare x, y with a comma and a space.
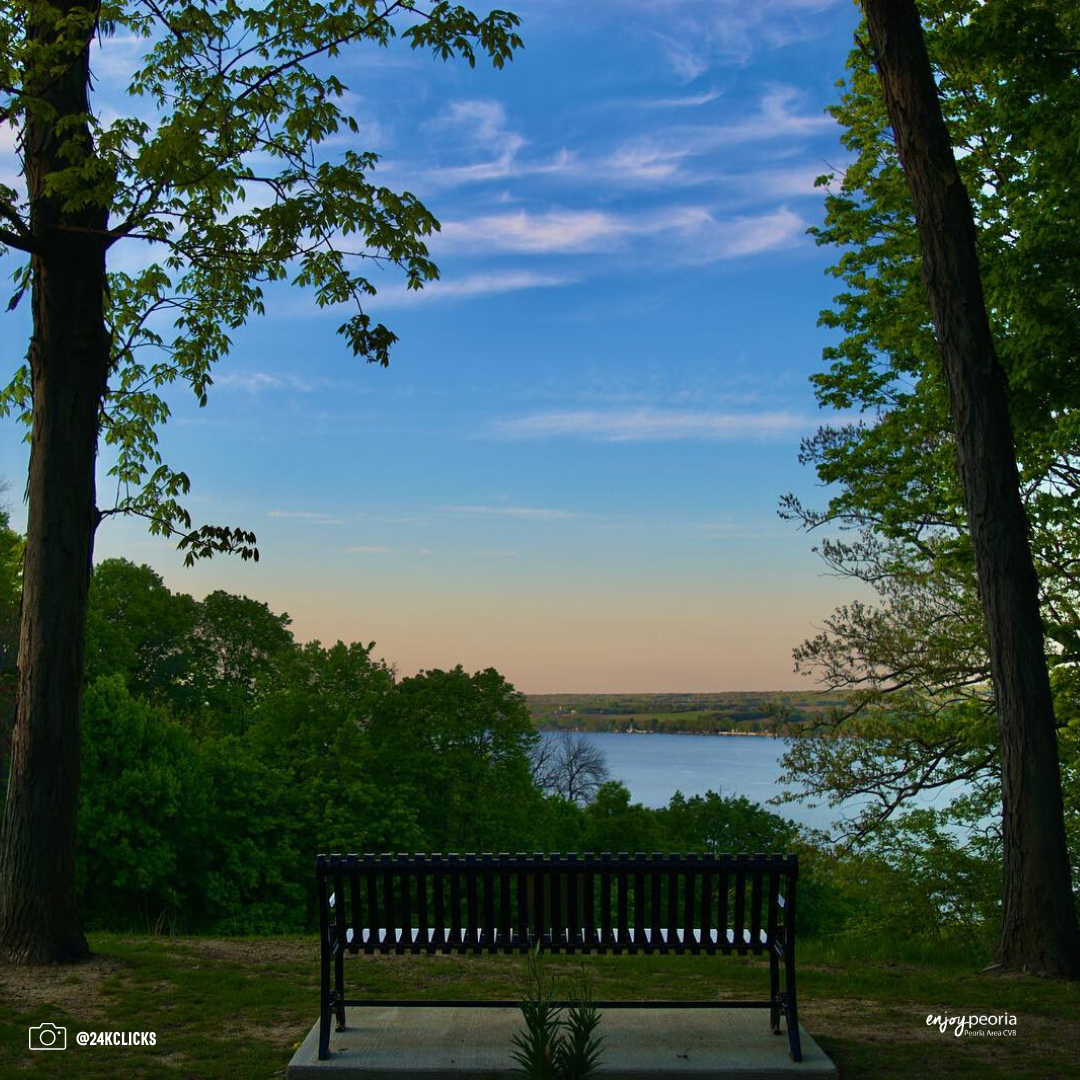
48, 1037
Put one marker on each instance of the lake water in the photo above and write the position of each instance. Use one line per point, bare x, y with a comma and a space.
655, 766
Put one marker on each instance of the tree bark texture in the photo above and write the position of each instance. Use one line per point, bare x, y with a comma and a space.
69, 357
1039, 930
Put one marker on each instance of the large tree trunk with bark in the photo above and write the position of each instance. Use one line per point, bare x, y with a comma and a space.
1039, 922
69, 357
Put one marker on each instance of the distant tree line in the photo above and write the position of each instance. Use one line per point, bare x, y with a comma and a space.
683, 723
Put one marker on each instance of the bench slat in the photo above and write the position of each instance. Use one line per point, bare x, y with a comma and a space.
388, 890
422, 900
760, 868
774, 897
505, 911
438, 902
673, 921
472, 925
538, 900
522, 900
405, 878
455, 900
592, 931
488, 924
640, 914
605, 900
688, 897
706, 899
656, 915
623, 924
575, 906
722, 898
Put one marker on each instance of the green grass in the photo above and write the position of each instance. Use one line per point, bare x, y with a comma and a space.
238, 1008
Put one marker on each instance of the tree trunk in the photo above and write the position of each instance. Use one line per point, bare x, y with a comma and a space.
1039, 923
69, 356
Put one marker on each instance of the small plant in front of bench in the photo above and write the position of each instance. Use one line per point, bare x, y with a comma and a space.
556, 1047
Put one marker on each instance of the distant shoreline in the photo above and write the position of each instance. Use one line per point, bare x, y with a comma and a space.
649, 731
765, 713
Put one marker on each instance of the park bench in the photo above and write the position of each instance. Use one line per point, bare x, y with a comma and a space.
606, 903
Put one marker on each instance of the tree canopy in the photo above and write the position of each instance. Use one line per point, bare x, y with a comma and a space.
457, 747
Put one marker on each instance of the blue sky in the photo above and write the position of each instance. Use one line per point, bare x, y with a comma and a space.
572, 467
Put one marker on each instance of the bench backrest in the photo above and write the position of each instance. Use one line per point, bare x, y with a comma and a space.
592, 903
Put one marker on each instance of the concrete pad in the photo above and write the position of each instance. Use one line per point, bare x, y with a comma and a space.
639, 1044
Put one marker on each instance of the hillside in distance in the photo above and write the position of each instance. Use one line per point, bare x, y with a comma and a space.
751, 712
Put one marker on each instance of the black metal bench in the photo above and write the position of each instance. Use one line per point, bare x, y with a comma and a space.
589, 904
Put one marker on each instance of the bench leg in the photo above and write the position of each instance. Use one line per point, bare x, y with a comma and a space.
325, 1001
792, 1007
324, 1032
339, 988
774, 991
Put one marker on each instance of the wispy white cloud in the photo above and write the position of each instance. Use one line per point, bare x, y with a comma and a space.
645, 161
472, 286
301, 304
701, 34
697, 153
553, 231
117, 56
683, 102
696, 35
779, 116
524, 513
255, 381
510, 281
369, 131
685, 57
692, 234
655, 386
750, 236
479, 122
477, 128
655, 425
504, 166
308, 516
781, 183
479, 131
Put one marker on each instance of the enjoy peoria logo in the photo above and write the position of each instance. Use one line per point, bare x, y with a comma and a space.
994, 1024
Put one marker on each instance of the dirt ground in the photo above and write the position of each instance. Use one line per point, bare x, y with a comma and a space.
75, 987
